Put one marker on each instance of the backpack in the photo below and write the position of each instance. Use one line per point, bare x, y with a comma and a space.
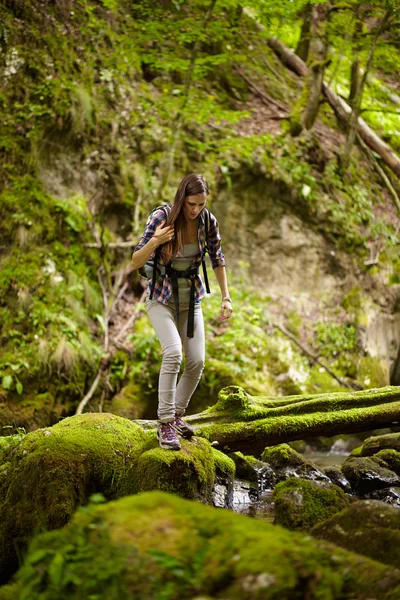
151, 268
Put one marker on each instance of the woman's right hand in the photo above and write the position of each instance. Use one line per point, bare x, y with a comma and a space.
163, 234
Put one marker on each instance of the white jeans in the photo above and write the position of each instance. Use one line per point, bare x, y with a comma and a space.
173, 399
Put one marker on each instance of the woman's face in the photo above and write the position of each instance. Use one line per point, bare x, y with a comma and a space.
193, 205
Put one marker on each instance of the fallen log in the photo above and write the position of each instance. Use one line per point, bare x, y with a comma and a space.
341, 109
239, 421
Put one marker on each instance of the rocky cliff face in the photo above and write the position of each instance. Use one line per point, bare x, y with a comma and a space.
290, 258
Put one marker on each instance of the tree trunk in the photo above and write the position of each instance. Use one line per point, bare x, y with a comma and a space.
353, 122
247, 423
355, 65
306, 109
354, 80
303, 46
340, 107
288, 57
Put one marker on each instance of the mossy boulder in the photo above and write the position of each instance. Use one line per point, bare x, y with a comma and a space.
372, 445
155, 545
368, 473
301, 504
50, 472
286, 462
368, 527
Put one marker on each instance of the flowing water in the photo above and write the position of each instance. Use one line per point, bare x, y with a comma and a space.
258, 503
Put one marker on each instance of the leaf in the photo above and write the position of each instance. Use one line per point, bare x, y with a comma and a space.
7, 382
72, 223
102, 322
19, 387
56, 569
37, 556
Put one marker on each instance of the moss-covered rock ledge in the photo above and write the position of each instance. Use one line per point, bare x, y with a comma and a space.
250, 423
155, 545
45, 476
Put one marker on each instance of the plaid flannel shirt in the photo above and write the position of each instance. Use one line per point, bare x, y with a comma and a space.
163, 286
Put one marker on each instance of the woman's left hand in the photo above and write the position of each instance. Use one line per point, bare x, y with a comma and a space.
226, 310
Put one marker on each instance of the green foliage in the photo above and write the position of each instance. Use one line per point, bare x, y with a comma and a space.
108, 94
332, 338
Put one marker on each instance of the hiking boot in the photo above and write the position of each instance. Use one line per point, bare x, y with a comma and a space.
167, 438
183, 428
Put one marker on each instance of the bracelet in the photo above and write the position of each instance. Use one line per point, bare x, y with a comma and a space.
226, 298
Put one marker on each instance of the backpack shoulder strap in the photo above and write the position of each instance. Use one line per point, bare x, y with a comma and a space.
206, 228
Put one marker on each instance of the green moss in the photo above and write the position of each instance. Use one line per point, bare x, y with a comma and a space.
129, 402
224, 465
301, 504
368, 527
189, 472
391, 458
368, 473
356, 451
245, 466
268, 421
282, 456
47, 474
372, 445
372, 372
233, 399
158, 546
298, 445
53, 471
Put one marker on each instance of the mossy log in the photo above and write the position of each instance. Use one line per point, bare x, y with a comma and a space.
239, 421
156, 545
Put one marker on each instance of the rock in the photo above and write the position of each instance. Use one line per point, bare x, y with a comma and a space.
44, 478
391, 459
336, 476
372, 445
388, 495
286, 462
253, 470
156, 545
301, 504
369, 527
367, 474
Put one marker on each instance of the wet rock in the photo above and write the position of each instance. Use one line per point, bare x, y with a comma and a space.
286, 462
253, 470
244, 493
368, 527
336, 476
220, 495
388, 495
391, 459
367, 474
301, 504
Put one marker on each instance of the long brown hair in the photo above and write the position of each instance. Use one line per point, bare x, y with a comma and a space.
191, 185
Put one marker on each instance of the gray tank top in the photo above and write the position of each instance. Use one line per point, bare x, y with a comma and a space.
183, 262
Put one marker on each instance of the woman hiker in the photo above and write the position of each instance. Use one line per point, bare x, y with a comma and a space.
171, 252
